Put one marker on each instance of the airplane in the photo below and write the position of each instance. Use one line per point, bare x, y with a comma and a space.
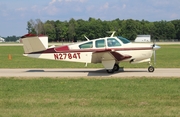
109, 51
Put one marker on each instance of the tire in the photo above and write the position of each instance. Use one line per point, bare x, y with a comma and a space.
116, 67
150, 69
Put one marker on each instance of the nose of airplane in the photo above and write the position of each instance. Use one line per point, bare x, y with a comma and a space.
156, 47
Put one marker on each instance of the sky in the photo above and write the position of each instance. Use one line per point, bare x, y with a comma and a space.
14, 14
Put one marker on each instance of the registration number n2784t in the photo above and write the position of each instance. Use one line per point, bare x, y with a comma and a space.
62, 56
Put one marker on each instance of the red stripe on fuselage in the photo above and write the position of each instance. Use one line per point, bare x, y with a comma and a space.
61, 48
65, 49
54, 50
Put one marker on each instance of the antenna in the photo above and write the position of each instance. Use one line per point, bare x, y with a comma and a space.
113, 32
86, 38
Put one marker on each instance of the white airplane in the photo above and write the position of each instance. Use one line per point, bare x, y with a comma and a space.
109, 51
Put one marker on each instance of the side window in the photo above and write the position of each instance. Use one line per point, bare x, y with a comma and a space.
112, 42
100, 43
86, 45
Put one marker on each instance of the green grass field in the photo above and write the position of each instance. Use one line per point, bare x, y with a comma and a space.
88, 97
167, 57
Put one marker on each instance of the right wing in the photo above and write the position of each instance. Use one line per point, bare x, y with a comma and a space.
105, 55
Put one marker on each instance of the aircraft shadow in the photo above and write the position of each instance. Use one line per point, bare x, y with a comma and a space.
135, 71
104, 73
35, 70
100, 72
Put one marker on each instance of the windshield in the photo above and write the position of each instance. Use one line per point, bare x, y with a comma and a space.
124, 40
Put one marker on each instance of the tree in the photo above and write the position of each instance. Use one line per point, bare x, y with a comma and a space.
36, 27
129, 29
176, 24
170, 30
30, 28
11, 38
50, 30
63, 30
95, 28
81, 30
39, 27
114, 26
71, 29
164, 30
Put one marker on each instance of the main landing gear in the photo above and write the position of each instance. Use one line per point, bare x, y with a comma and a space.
115, 68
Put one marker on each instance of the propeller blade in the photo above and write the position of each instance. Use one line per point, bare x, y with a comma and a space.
155, 47
154, 57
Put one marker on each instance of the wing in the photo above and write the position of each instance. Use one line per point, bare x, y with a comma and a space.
106, 55
119, 57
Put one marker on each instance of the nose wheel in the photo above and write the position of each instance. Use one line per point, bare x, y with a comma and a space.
150, 69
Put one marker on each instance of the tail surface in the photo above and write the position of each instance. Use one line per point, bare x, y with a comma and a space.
34, 43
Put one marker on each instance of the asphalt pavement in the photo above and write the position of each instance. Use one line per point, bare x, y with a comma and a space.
98, 73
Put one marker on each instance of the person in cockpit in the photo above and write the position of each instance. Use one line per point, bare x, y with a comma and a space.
111, 43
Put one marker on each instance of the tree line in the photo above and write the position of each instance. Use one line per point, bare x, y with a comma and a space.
74, 30
11, 38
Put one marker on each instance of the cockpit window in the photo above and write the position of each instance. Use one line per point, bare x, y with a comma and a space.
86, 45
112, 42
124, 40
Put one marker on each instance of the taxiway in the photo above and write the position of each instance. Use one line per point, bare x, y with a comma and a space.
77, 73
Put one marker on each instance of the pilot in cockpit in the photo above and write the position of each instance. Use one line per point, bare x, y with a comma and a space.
111, 43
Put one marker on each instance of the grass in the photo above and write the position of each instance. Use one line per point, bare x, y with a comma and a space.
44, 97
167, 57
137, 97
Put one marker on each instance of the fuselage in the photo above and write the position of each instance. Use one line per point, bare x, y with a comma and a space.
86, 51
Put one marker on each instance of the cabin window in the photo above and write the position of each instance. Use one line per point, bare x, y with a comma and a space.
100, 43
86, 45
112, 42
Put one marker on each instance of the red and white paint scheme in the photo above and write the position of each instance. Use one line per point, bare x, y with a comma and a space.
109, 51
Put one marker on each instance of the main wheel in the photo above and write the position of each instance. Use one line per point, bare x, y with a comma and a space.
151, 69
116, 67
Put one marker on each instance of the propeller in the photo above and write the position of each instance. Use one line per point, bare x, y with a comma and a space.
155, 47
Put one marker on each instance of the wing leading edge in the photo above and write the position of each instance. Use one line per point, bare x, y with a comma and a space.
106, 55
